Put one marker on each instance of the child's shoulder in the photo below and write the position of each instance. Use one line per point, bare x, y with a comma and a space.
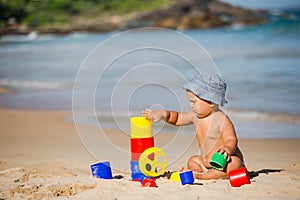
220, 115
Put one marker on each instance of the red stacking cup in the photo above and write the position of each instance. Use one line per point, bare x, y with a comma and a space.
239, 177
139, 145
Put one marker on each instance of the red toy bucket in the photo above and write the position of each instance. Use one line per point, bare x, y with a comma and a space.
239, 177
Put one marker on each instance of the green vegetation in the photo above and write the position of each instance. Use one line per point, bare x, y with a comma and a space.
36, 13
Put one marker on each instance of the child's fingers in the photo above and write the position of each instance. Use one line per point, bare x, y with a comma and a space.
144, 114
226, 155
146, 111
228, 158
181, 169
221, 151
147, 114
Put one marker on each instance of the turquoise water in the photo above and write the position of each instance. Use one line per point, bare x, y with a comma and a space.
260, 64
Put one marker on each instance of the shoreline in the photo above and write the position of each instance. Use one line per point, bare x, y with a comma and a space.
42, 119
42, 156
36, 120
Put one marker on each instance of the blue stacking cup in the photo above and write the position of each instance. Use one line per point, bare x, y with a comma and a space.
136, 174
187, 177
102, 170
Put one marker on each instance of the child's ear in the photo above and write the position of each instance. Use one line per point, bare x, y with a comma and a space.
214, 106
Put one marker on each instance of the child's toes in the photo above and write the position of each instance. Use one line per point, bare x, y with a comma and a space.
181, 169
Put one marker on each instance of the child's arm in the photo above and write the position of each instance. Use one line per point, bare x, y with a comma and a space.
172, 117
229, 137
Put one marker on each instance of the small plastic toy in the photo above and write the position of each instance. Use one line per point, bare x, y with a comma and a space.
101, 170
148, 182
218, 161
140, 127
175, 176
239, 177
153, 162
139, 145
186, 177
136, 174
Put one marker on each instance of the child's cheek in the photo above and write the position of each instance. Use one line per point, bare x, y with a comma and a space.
197, 106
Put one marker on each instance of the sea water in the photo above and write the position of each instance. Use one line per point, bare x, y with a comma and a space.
259, 63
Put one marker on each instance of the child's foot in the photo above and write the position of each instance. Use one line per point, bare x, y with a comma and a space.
195, 174
182, 169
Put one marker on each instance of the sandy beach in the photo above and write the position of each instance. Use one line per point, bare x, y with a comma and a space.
105, 76
44, 154
42, 157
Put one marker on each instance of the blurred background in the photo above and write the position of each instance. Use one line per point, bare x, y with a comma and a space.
254, 44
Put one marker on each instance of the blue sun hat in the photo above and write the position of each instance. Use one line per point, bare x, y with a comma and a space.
209, 86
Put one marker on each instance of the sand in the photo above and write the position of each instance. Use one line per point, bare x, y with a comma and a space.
42, 157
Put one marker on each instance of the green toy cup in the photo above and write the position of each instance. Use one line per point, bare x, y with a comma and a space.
218, 161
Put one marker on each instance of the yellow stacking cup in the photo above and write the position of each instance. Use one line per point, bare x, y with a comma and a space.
175, 176
140, 127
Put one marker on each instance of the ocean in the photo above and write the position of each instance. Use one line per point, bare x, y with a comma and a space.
115, 76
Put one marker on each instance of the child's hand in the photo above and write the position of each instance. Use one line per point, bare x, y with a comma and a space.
226, 155
154, 115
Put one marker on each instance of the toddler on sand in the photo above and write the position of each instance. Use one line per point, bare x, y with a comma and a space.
214, 130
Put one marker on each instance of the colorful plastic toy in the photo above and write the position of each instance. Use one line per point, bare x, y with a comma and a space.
136, 174
148, 182
140, 127
139, 145
218, 161
187, 177
153, 162
175, 176
239, 177
101, 170
140, 140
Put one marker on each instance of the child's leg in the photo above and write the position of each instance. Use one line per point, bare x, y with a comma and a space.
234, 163
211, 174
195, 164
200, 171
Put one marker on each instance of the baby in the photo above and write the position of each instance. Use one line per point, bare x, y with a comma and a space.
214, 130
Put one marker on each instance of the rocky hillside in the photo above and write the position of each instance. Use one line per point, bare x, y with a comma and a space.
197, 14
184, 14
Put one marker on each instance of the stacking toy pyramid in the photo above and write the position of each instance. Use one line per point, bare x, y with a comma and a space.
140, 139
